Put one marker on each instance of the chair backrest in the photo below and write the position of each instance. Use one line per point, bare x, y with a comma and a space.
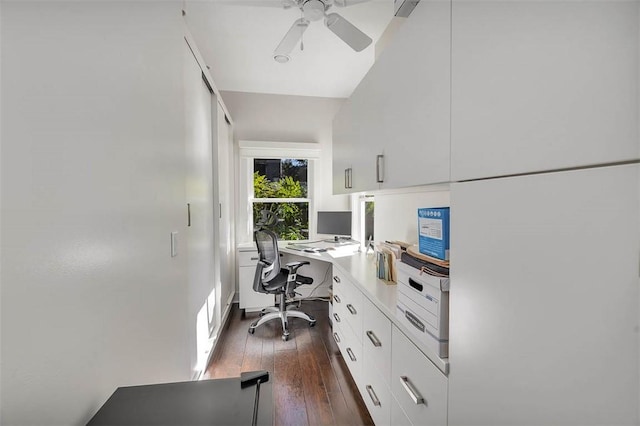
269, 264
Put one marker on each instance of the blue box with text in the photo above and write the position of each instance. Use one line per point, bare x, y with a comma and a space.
433, 232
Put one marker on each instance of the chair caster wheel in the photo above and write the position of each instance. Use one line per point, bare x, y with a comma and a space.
252, 330
312, 324
285, 337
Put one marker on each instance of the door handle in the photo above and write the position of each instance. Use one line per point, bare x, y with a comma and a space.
374, 339
413, 393
351, 355
351, 309
380, 168
373, 396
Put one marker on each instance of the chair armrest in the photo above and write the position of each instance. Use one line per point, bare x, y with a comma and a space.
297, 264
293, 266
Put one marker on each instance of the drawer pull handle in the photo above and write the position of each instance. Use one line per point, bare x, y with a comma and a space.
352, 309
336, 279
373, 396
336, 317
336, 298
336, 337
351, 355
255, 258
374, 339
416, 285
413, 393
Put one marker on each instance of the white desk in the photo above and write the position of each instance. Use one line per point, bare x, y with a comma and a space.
361, 269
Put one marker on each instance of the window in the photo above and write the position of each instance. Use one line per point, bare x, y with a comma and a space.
281, 191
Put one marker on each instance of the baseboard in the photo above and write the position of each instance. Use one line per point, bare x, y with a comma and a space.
223, 321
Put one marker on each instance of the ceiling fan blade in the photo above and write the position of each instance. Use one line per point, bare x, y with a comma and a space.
347, 3
291, 38
347, 32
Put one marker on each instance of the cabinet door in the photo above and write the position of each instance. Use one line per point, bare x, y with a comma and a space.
542, 85
414, 76
375, 393
544, 299
367, 109
249, 299
418, 386
376, 340
401, 108
342, 146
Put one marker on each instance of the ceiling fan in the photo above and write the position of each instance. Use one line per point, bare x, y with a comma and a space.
314, 10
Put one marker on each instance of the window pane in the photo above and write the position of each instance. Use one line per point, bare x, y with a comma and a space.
291, 220
279, 178
369, 208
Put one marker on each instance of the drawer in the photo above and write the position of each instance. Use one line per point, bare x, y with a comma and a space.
351, 300
338, 337
398, 417
418, 386
376, 339
352, 353
375, 392
248, 258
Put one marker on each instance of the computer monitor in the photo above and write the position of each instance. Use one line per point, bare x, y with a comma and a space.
337, 224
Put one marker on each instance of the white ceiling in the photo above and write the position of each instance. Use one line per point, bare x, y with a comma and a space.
237, 39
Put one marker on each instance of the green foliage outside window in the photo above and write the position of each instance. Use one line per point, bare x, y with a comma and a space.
293, 218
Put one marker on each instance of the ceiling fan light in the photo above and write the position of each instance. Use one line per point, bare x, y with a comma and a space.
281, 59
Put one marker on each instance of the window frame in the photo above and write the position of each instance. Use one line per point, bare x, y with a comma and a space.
250, 150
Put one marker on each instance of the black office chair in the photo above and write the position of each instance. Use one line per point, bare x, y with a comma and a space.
271, 279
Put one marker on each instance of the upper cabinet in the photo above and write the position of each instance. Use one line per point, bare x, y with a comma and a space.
394, 131
542, 85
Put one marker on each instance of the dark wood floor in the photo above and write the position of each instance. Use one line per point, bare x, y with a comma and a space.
311, 383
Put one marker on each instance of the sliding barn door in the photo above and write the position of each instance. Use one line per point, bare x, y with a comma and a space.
199, 211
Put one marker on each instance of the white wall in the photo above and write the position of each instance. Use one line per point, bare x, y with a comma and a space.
92, 180
396, 212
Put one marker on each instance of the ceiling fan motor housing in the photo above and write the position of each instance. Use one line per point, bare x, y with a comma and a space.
313, 9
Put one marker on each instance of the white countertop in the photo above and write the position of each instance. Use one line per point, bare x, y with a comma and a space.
361, 268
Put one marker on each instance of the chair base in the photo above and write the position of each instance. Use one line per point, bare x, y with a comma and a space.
283, 313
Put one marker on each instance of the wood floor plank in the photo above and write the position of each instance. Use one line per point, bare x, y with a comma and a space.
311, 382
252, 359
322, 357
350, 391
288, 390
315, 394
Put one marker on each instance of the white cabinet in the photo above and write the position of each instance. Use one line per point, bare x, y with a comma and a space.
386, 366
250, 300
544, 299
400, 110
542, 85
418, 386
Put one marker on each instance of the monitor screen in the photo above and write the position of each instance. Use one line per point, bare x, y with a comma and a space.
334, 223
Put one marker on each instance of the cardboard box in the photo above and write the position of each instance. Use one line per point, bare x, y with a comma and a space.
433, 232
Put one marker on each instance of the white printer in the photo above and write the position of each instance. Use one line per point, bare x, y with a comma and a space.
423, 307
